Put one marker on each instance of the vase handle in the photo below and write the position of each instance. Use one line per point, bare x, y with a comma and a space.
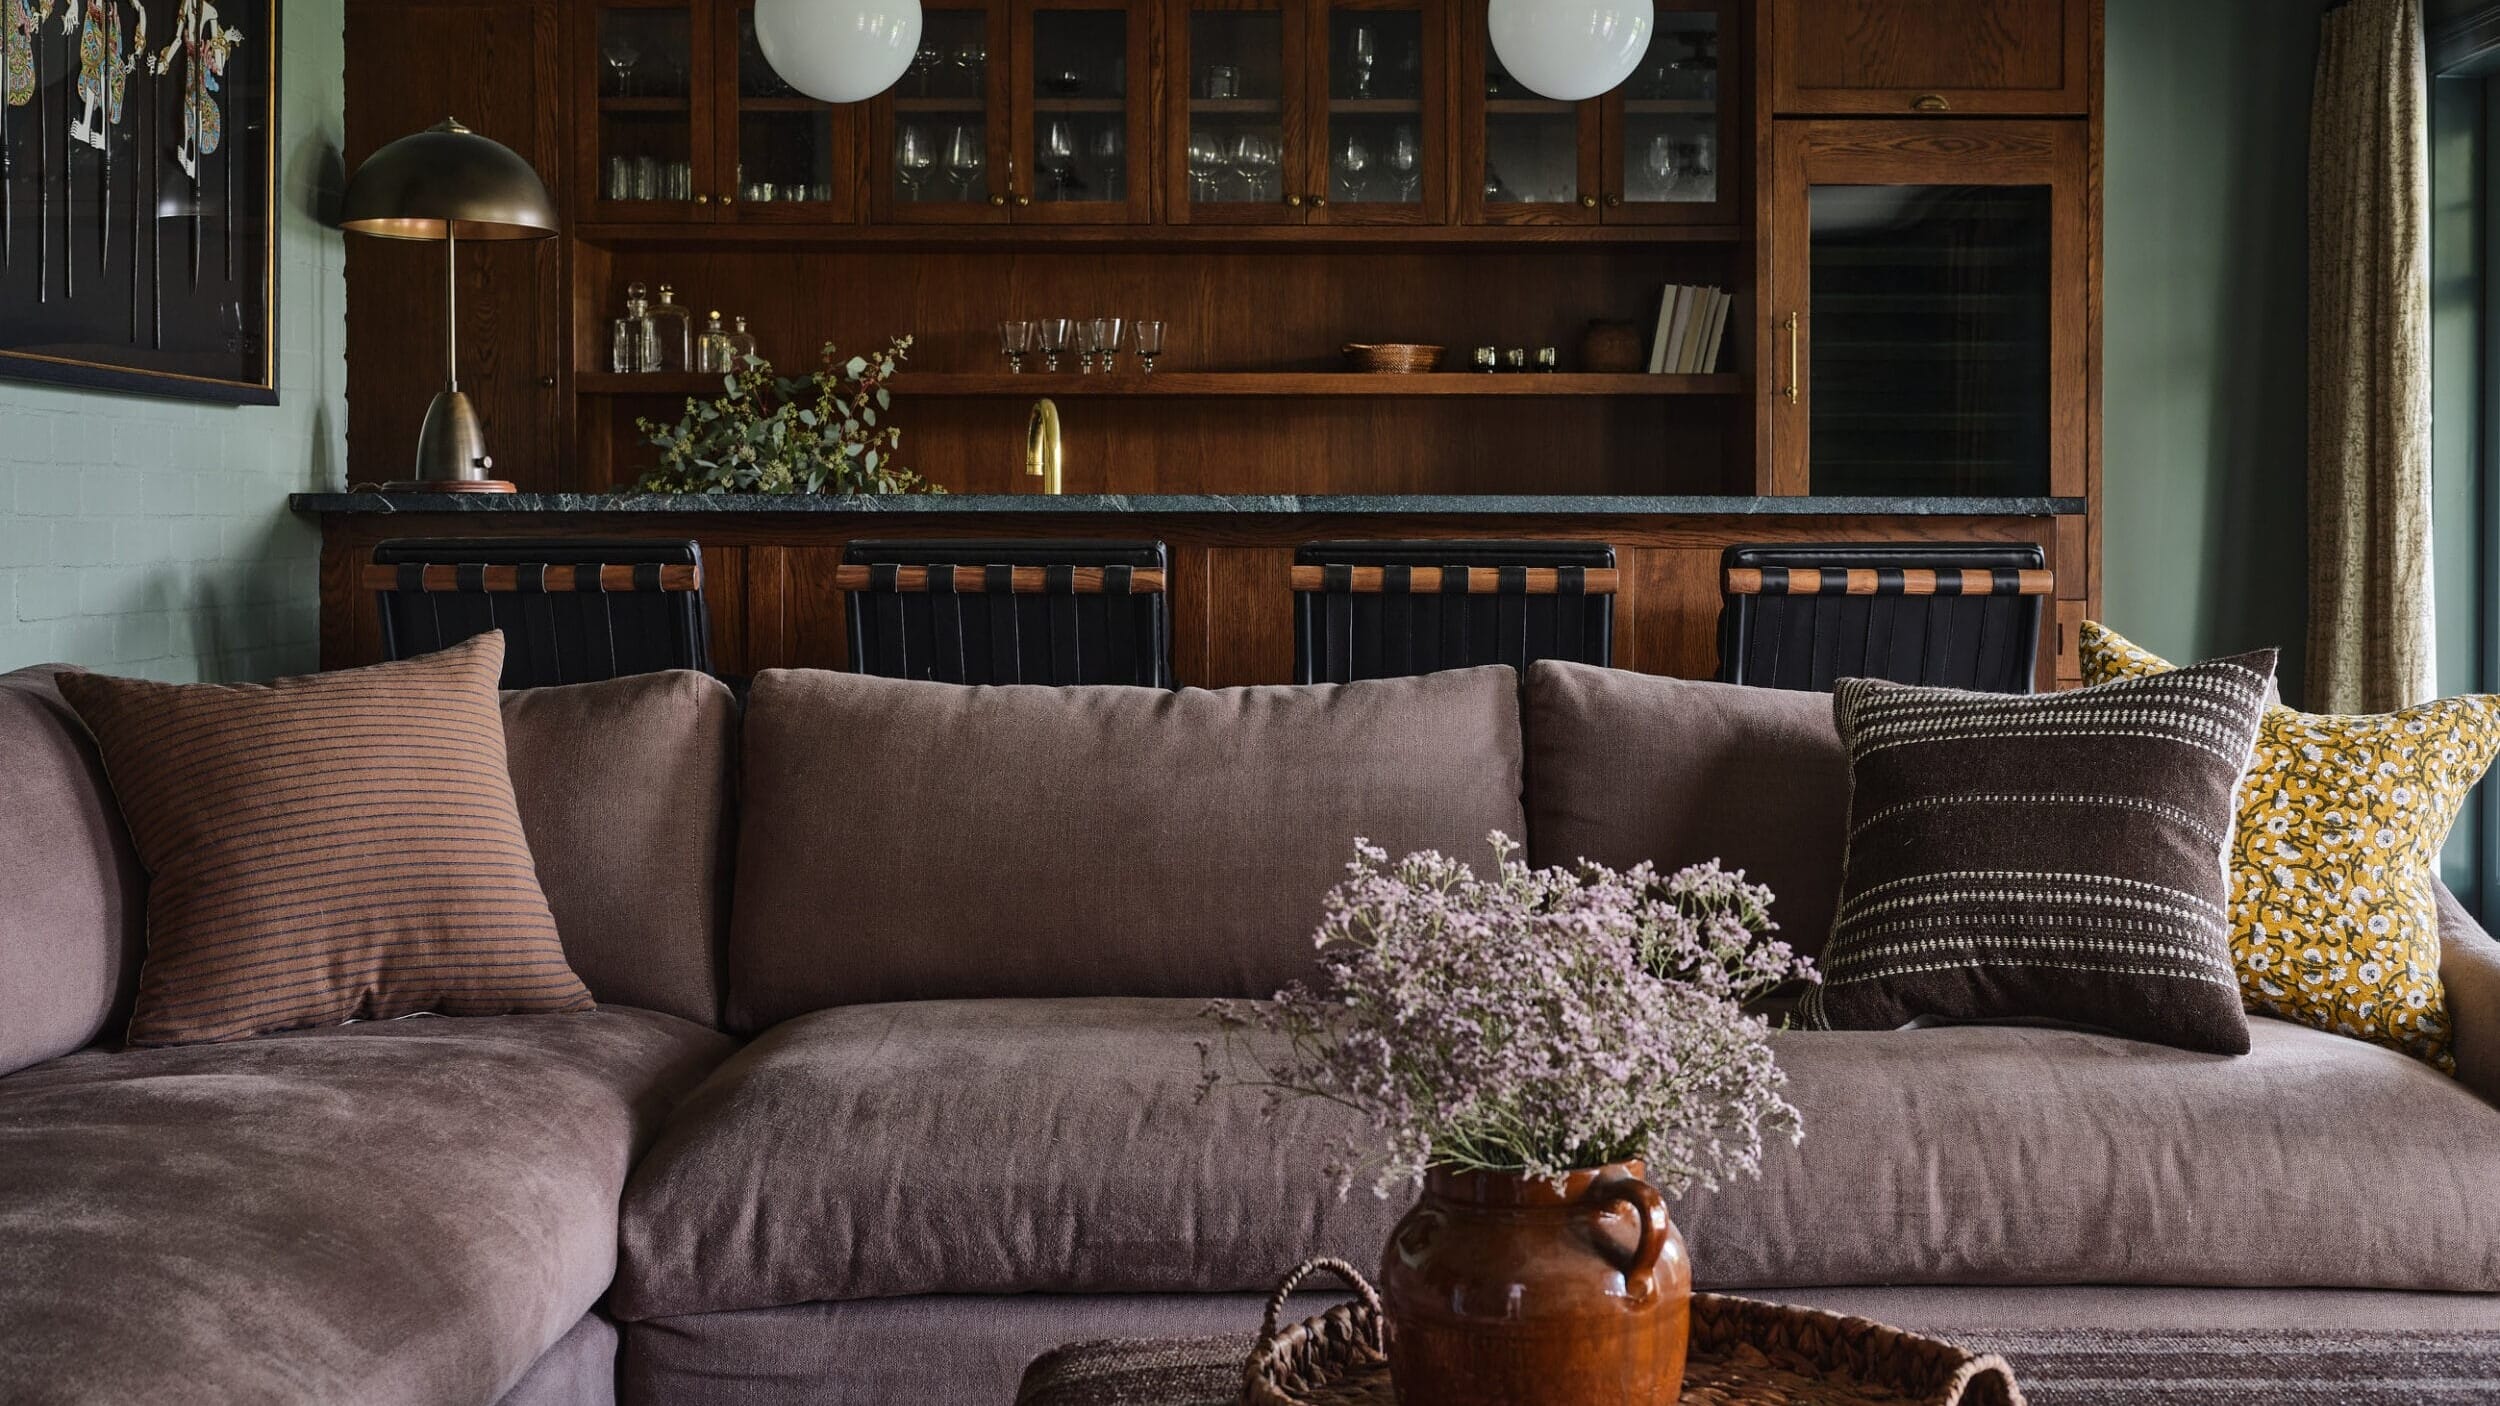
1651, 1210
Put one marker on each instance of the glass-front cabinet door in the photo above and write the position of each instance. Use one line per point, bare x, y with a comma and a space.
1523, 159
1380, 67
789, 156
1927, 312
647, 80
1233, 153
1083, 111
940, 148
1666, 156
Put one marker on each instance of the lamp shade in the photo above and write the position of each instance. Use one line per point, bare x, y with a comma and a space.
446, 181
1571, 49
838, 51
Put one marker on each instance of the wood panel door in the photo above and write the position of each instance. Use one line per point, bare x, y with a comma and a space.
1083, 98
1378, 151
789, 159
1235, 75
1522, 159
1927, 328
1673, 150
412, 63
645, 79
941, 142
2017, 58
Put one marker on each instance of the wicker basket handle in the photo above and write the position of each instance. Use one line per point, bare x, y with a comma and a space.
1353, 1280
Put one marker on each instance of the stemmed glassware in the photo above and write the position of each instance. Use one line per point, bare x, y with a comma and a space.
1406, 163
1088, 342
1058, 157
1255, 159
1149, 343
1353, 159
972, 57
621, 53
914, 159
925, 61
1107, 342
1110, 152
1052, 334
1014, 340
965, 160
1206, 165
1661, 165
1366, 50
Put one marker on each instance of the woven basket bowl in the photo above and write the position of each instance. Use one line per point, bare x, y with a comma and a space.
1392, 358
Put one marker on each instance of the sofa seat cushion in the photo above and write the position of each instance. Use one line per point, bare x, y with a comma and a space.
986, 1147
2006, 1155
403, 1212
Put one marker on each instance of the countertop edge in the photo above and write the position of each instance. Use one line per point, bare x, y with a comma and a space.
1179, 505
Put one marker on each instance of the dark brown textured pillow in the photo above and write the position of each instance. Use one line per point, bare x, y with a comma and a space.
329, 848
2050, 858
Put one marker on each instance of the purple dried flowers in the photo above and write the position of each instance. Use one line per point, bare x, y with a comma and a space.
1538, 1021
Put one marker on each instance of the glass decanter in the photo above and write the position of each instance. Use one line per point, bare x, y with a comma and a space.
676, 327
712, 353
741, 346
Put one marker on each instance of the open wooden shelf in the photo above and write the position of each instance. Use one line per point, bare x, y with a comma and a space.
1217, 384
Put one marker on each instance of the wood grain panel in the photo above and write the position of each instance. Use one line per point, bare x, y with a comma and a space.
767, 608
1249, 595
1678, 620
819, 627
1934, 57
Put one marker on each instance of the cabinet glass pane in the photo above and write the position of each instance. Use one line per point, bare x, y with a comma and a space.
1931, 339
785, 142
1237, 107
1531, 144
1671, 137
646, 119
1080, 106
941, 112
1377, 136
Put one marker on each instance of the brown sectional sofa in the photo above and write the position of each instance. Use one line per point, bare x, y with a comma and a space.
892, 1084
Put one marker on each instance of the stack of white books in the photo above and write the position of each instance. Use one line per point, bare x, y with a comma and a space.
1692, 326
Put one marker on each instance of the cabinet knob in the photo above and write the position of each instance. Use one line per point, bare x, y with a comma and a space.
1022, 200
1294, 201
1932, 102
998, 200
1319, 202
547, 383
1588, 202
1614, 202
703, 200
727, 199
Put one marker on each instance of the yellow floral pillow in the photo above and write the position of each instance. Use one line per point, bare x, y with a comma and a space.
2333, 919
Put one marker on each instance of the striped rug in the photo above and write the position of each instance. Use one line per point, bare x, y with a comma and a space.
2247, 1368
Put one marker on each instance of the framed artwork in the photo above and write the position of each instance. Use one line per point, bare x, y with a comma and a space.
138, 215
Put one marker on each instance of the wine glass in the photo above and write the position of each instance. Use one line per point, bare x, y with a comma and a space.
1353, 159
1110, 152
1660, 163
1107, 342
1406, 163
1366, 51
1051, 335
925, 61
1058, 157
1149, 343
1088, 342
621, 53
914, 158
1014, 340
1206, 165
1252, 157
965, 160
971, 59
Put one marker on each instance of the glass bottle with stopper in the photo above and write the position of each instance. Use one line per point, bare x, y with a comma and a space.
712, 353
741, 346
634, 339
676, 327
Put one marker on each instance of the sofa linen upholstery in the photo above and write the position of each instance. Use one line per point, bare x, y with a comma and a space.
1625, 767
580, 1370
981, 1147
411, 1211
624, 793
73, 896
2469, 965
919, 841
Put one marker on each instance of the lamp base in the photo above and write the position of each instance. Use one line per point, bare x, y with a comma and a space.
451, 449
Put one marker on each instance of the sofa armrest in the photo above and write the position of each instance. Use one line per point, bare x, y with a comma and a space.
2469, 966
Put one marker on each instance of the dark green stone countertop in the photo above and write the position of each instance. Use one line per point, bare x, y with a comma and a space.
1216, 505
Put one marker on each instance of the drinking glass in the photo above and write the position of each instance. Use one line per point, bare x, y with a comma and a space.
1088, 342
620, 178
1058, 157
1149, 343
1406, 163
1353, 159
1014, 340
924, 62
1255, 159
1107, 342
1206, 164
681, 180
1366, 57
1052, 335
1223, 81
971, 61
621, 53
1660, 163
647, 178
1109, 149
965, 160
914, 159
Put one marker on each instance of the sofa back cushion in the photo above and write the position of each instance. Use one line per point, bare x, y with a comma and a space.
624, 793
1624, 767
913, 841
73, 897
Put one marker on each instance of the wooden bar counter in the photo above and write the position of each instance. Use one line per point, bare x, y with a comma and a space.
770, 563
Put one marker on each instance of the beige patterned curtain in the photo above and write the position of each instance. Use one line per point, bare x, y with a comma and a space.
2370, 606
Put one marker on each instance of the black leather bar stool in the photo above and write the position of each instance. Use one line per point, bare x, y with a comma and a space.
1010, 612
1961, 616
571, 611
1376, 610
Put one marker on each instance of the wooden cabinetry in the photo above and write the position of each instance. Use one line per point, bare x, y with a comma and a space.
2025, 58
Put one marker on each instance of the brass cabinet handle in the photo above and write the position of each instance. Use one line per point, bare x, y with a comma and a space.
703, 199
1319, 202
998, 200
1791, 391
1022, 200
1614, 202
1588, 202
1294, 200
728, 199
546, 383
1932, 102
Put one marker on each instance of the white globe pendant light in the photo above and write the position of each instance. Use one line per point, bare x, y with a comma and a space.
838, 51
1571, 49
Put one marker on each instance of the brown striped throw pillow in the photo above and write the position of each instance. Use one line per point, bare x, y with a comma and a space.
329, 848
2054, 858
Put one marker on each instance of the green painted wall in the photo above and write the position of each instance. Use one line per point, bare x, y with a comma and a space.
2204, 406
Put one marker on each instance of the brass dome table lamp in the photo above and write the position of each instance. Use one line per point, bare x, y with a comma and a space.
448, 184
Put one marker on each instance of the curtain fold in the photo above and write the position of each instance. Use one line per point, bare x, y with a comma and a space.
2371, 635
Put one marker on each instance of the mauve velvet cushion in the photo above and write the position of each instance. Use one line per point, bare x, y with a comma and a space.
402, 1212
73, 897
913, 841
1624, 767
624, 794
980, 1147
2469, 966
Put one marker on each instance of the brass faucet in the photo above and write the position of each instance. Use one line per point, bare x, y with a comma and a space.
1043, 457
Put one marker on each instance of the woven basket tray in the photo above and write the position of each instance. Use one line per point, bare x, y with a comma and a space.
1744, 1353
1394, 358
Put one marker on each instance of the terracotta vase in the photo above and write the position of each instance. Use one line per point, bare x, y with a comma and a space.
1502, 1289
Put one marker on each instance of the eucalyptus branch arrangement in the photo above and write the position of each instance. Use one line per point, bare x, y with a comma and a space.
775, 434
1538, 1021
